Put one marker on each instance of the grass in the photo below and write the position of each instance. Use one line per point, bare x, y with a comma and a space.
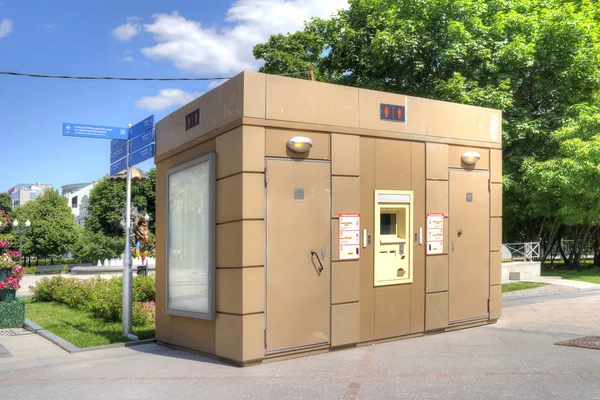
511, 287
79, 327
591, 275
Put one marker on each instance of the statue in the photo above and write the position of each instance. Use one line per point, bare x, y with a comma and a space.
143, 245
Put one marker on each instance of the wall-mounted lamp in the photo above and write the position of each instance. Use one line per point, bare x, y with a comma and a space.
299, 144
470, 157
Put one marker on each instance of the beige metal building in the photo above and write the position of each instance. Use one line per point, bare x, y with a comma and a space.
294, 217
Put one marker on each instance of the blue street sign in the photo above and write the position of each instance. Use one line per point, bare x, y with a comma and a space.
141, 127
140, 141
118, 166
118, 154
94, 131
116, 144
141, 155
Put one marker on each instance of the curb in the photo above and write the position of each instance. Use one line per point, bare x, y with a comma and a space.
70, 347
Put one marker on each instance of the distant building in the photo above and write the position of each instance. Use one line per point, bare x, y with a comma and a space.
77, 195
24, 192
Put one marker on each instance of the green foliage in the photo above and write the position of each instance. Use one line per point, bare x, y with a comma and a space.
98, 296
12, 314
591, 275
6, 207
536, 60
53, 228
511, 287
93, 246
80, 327
107, 199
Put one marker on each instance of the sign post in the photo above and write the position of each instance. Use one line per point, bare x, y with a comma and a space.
129, 146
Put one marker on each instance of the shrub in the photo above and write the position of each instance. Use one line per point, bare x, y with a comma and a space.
101, 297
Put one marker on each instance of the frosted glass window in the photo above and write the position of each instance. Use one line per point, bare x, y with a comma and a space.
190, 240
393, 197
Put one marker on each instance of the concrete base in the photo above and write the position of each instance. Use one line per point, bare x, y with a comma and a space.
104, 270
521, 271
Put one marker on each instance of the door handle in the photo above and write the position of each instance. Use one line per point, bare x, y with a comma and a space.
323, 252
320, 267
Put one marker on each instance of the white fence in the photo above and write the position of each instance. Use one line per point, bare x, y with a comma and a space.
524, 251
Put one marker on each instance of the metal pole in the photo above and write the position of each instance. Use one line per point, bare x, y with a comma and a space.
127, 263
21, 247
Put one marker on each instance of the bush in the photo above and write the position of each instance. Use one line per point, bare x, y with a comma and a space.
101, 297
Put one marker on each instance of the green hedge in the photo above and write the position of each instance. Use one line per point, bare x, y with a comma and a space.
102, 297
12, 314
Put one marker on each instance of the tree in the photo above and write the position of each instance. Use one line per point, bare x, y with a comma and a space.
53, 228
536, 60
6, 206
93, 246
107, 199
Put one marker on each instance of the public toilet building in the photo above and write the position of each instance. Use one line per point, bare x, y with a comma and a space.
294, 217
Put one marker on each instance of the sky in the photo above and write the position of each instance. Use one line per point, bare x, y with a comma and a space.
150, 38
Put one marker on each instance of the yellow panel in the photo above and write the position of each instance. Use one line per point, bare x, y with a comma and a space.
229, 153
437, 273
495, 234
393, 242
344, 324
417, 288
437, 161
276, 144
495, 268
254, 95
253, 290
313, 102
436, 315
229, 336
253, 203
229, 199
367, 184
345, 195
392, 311
229, 290
455, 153
345, 281
496, 165
253, 149
254, 243
218, 107
392, 164
345, 154
369, 110
437, 197
253, 337
496, 200
240, 244
495, 301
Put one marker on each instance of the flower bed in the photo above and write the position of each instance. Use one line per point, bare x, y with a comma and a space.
101, 297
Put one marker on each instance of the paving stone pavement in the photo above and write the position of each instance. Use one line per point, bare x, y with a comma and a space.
511, 359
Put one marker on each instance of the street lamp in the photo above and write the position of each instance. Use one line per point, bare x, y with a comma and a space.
21, 231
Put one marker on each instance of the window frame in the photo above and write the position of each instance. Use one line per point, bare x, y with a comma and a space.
212, 184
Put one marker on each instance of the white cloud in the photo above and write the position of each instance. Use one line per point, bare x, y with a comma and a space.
127, 56
6, 27
214, 84
198, 49
167, 98
128, 30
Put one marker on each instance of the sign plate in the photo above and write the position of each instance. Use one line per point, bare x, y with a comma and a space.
140, 141
117, 144
192, 119
391, 112
435, 233
141, 155
119, 153
118, 166
349, 236
141, 127
94, 131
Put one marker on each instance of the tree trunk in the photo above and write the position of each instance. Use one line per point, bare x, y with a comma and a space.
580, 246
563, 255
556, 234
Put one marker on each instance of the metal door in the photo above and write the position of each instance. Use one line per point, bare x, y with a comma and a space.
298, 231
469, 218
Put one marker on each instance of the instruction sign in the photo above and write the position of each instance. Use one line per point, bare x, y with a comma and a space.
349, 236
435, 233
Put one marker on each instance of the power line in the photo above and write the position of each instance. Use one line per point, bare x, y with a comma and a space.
113, 78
